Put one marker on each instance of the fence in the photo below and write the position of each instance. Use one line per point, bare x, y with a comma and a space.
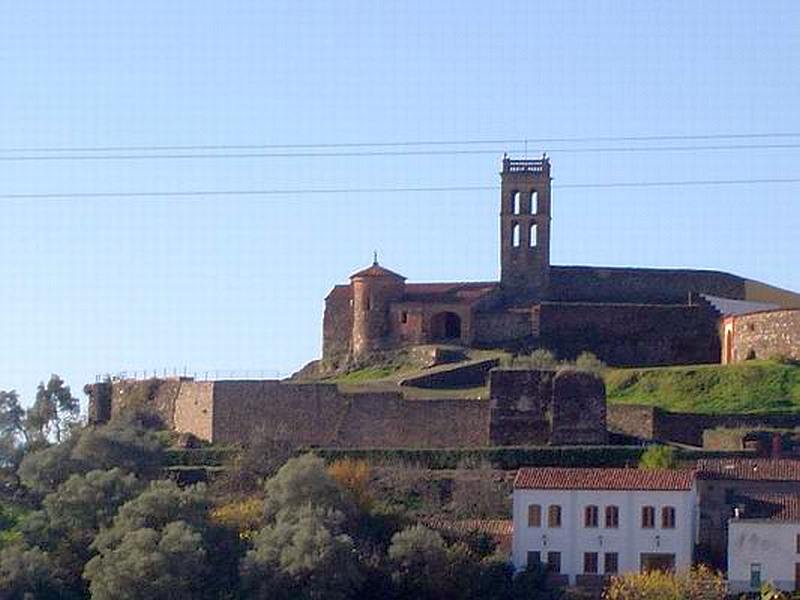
196, 374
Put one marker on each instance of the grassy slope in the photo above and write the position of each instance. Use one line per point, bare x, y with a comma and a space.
750, 387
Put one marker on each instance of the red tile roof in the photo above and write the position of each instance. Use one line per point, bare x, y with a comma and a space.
550, 478
492, 527
749, 469
770, 507
375, 270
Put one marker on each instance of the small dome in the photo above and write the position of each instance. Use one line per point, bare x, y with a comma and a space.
375, 270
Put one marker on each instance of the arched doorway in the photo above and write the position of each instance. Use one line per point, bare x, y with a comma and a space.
445, 326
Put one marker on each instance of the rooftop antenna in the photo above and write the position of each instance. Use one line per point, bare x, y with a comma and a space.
374, 257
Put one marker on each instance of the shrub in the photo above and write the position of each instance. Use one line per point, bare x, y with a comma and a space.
353, 475
538, 359
658, 457
588, 362
698, 583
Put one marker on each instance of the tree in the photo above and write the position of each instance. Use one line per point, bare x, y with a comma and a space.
72, 516
353, 477
54, 411
27, 573
658, 457
44, 470
419, 563
150, 564
301, 481
303, 557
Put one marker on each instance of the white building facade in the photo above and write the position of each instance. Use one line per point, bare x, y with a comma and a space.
764, 544
585, 524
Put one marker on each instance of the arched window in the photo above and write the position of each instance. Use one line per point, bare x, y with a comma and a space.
590, 516
515, 202
554, 515
534, 515
668, 517
532, 234
534, 202
515, 235
612, 517
648, 517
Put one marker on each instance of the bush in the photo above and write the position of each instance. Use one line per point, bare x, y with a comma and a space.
699, 583
658, 457
588, 362
353, 476
538, 359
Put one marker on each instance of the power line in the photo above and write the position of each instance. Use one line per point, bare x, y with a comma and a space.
377, 190
379, 153
384, 144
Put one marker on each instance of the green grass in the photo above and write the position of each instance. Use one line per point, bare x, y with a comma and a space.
749, 387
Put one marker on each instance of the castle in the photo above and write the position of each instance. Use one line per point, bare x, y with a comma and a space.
626, 316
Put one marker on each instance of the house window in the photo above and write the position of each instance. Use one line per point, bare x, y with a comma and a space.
648, 517
590, 563
612, 517
797, 543
611, 563
554, 562
534, 558
755, 576
554, 516
590, 516
404, 317
532, 241
534, 515
534, 202
668, 517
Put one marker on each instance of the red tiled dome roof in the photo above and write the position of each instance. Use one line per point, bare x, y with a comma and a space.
375, 270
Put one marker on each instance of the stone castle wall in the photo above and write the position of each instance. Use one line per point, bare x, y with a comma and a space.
651, 423
640, 286
521, 411
631, 334
766, 334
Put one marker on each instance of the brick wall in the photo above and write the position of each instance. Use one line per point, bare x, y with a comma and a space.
578, 409
337, 324
194, 409
767, 335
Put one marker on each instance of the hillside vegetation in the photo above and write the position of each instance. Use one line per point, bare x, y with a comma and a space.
750, 387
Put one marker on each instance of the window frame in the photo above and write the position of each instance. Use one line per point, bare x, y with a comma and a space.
537, 511
591, 559
591, 516
615, 561
668, 517
612, 517
554, 517
648, 517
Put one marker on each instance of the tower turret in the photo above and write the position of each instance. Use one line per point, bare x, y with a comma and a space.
374, 289
525, 228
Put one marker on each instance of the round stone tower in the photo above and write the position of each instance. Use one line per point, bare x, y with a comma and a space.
374, 289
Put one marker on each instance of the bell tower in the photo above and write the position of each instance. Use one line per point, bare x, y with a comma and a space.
525, 229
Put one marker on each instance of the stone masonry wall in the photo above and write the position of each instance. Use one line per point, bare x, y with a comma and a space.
767, 335
526, 407
631, 285
650, 423
632, 335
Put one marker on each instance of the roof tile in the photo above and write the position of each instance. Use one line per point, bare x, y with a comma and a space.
550, 478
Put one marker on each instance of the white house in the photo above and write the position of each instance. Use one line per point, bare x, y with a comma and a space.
764, 543
588, 523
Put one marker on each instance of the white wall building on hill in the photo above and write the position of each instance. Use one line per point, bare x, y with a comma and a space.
585, 524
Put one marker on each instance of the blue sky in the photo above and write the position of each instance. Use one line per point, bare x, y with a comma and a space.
109, 284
